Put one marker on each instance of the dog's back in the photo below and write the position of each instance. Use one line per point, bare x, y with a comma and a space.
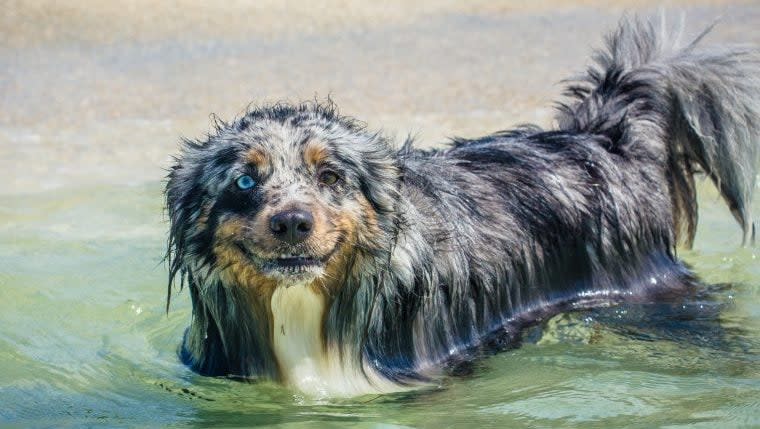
522, 224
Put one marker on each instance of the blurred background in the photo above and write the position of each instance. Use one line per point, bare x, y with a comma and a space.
94, 97
100, 91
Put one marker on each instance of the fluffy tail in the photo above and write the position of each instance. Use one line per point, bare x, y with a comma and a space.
694, 109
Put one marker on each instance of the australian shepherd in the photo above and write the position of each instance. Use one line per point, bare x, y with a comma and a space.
318, 255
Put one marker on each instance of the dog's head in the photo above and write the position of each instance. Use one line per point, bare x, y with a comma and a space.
284, 195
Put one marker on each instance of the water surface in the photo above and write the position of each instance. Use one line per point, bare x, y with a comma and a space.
84, 339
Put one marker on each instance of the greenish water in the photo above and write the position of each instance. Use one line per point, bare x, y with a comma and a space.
84, 340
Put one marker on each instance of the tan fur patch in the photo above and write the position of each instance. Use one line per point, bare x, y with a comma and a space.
202, 221
236, 268
351, 228
369, 229
315, 153
256, 157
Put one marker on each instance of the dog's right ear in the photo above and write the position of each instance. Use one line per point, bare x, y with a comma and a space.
183, 198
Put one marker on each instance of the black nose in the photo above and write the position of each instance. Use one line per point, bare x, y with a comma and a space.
292, 226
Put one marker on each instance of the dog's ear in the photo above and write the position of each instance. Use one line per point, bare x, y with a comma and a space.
198, 174
184, 195
380, 176
184, 190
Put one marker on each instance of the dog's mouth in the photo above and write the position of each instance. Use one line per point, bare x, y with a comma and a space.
288, 264
293, 265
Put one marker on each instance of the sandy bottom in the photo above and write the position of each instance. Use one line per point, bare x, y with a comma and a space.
101, 94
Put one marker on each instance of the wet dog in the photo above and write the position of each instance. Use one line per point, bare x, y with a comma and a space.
319, 256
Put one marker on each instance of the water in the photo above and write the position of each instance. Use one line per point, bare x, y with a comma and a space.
85, 339
88, 121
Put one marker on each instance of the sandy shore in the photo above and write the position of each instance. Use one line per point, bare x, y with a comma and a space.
101, 93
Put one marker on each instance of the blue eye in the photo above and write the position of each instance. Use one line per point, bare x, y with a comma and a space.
245, 182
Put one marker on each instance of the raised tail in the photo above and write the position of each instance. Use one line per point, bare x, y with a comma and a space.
693, 109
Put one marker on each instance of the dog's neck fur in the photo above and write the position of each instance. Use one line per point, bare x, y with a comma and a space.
297, 337
304, 358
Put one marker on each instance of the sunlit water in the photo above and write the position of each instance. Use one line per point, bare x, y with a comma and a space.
84, 339
87, 125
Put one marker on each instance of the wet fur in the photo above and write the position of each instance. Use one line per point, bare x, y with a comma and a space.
445, 252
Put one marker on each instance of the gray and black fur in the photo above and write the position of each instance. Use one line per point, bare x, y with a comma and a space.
475, 240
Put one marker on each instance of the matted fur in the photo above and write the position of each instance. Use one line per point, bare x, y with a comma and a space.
452, 250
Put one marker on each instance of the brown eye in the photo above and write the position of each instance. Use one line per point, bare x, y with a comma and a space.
328, 178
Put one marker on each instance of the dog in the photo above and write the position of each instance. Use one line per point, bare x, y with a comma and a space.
319, 256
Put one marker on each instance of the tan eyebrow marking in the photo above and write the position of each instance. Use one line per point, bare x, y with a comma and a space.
315, 153
256, 157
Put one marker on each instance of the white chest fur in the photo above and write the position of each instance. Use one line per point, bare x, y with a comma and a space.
305, 362
297, 313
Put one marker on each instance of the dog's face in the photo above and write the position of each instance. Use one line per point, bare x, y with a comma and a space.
285, 195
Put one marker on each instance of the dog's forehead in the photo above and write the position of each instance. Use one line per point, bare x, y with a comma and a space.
277, 149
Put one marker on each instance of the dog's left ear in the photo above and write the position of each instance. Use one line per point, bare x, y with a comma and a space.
381, 177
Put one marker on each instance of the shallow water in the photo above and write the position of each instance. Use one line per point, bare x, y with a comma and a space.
84, 339
88, 120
